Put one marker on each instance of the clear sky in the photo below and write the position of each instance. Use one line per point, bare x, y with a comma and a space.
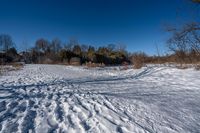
139, 24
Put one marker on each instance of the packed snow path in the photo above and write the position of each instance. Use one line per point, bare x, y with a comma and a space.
53, 98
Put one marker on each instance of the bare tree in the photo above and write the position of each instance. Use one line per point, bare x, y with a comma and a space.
184, 40
70, 45
42, 45
6, 42
111, 47
42, 48
77, 50
55, 46
196, 1
121, 47
84, 48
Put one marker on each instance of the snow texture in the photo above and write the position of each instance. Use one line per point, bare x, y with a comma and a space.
66, 99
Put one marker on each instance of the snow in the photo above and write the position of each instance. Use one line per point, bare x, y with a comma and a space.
56, 98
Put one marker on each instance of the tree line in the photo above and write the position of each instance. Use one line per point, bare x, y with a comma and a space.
184, 46
45, 51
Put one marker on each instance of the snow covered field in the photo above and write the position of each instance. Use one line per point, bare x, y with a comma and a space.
54, 98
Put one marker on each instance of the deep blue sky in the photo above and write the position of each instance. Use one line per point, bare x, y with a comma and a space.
139, 24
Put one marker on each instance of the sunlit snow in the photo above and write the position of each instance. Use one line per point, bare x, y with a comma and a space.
55, 98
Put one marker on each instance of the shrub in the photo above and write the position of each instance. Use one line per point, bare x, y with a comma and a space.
138, 60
